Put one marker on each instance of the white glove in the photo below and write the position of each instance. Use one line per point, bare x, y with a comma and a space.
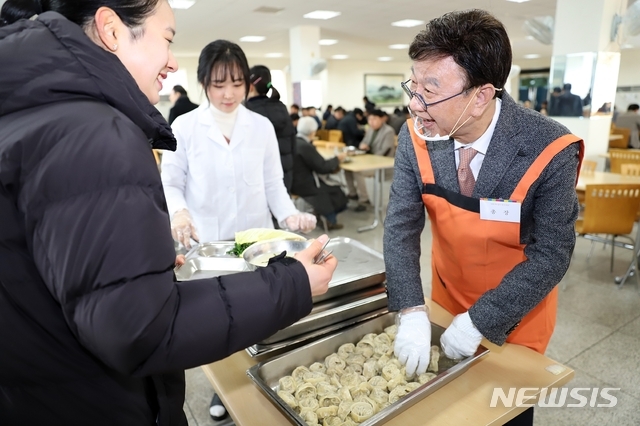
413, 341
461, 339
183, 229
303, 222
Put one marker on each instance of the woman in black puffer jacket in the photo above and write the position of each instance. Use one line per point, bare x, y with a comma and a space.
277, 113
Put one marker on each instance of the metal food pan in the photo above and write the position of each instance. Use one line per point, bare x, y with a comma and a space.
359, 267
335, 310
266, 374
273, 349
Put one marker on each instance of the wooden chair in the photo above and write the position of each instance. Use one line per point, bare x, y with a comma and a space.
630, 169
322, 134
609, 209
335, 135
621, 156
588, 168
622, 143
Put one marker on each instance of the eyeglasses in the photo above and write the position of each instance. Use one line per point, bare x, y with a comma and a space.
425, 105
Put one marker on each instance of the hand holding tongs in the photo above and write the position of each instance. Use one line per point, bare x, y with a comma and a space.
322, 255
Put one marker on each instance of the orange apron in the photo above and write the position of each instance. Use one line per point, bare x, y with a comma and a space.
471, 256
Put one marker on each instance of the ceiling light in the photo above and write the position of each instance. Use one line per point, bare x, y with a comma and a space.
531, 56
398, 46
518, 1
626, 46
407, 23
327, 42
252, 39
339, 56
181, 4
385, 58
321, 14
529, 38
274, 55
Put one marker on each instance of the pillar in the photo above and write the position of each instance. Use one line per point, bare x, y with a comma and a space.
304, 53
585, 56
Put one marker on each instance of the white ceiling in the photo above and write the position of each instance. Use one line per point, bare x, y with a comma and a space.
363, 29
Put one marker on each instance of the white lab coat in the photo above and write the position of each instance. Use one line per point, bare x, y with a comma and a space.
227, 187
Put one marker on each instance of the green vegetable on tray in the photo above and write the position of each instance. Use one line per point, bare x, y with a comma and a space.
238, 249
245, 238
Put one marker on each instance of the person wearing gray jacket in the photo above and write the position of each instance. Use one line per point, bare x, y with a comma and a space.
379, 139
495, 264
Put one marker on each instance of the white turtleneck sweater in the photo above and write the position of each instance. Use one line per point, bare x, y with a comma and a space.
224, 120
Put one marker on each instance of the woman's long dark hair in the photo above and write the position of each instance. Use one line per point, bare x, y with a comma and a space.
260, 77
131, 12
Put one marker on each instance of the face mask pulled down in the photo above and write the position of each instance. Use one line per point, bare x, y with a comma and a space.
424, 134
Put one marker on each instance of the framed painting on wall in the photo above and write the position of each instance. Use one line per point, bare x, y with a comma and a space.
384, 89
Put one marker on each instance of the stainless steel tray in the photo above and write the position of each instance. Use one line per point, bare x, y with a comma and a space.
359, 266
261, 349
266, 374
208, 260
335, 310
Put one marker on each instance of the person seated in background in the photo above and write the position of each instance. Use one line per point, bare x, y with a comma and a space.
308, 167
311, 112
294, 109
294, 119
327, 112
352, 134
379, 140
630, 120
544, 108
398, 118
181, 103
334, 119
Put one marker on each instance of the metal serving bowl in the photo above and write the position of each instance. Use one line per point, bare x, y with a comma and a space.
258, 254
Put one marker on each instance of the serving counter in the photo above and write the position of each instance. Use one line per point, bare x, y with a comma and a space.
464, 401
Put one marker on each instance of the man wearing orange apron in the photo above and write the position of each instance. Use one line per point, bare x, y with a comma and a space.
499, 191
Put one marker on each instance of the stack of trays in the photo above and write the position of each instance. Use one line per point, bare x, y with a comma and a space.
356, 292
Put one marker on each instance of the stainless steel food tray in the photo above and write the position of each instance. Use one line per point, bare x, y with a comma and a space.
359, 266
266, 374
335, 310
208, 260
260, 349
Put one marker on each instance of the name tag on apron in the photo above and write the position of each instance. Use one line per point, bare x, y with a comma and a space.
499, 210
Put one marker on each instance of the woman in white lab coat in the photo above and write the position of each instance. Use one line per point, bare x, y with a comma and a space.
225, 175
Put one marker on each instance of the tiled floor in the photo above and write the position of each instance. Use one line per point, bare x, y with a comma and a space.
597, 334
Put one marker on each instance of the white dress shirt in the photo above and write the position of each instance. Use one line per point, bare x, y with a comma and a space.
227, 187
481, 145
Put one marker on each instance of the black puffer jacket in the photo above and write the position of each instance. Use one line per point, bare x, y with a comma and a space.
94, 328
277, 113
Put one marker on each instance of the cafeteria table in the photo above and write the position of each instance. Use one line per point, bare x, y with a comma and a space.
366, 163
463, 401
